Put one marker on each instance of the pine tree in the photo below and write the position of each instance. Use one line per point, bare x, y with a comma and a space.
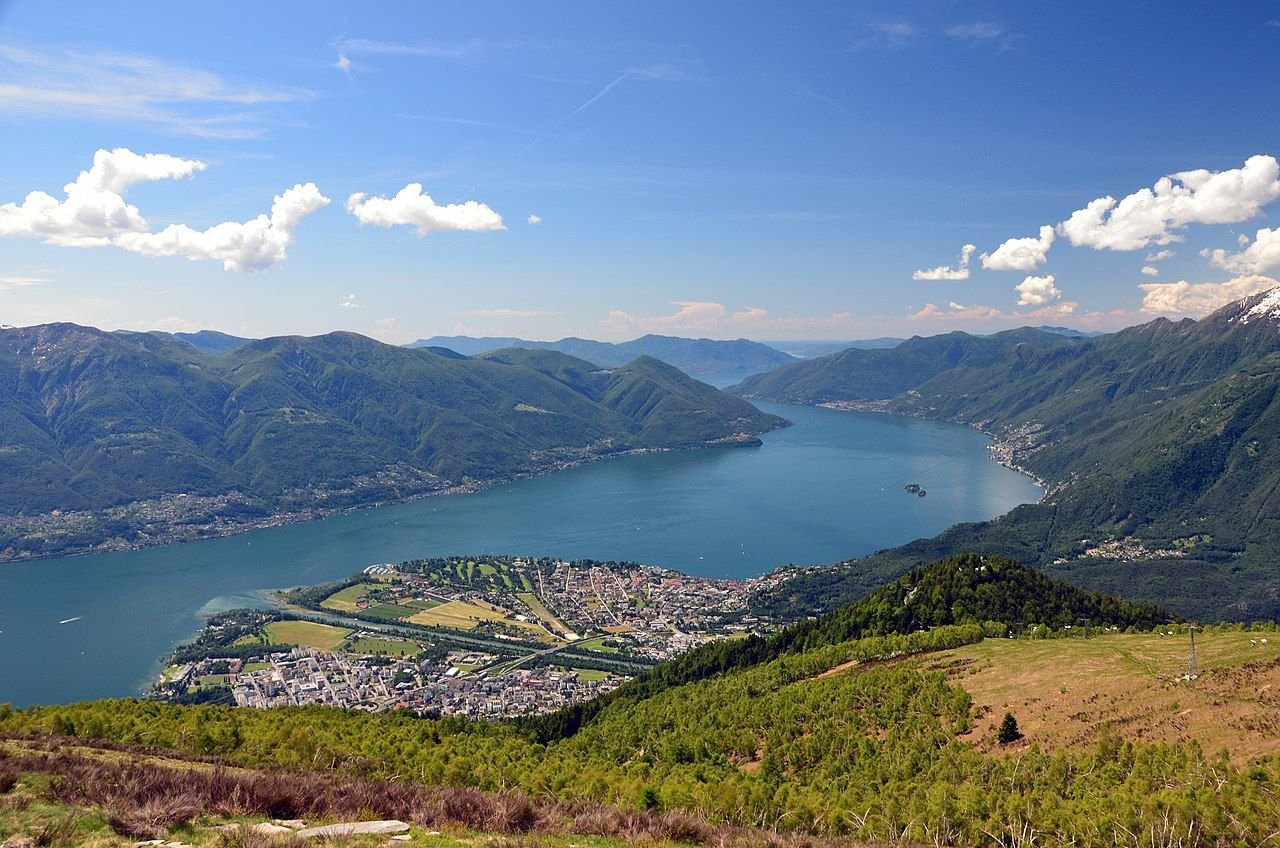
1008, 731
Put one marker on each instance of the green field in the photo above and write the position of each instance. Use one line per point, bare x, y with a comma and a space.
215, 680
422, 604
462, 615
386, 647
347, 600
459, 615
308, 634
591, 674
388, 612
597, 645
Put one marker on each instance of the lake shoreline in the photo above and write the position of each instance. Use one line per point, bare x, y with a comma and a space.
1003, 450
323, 513
818, 493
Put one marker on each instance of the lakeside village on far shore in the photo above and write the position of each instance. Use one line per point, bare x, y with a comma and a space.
480, 637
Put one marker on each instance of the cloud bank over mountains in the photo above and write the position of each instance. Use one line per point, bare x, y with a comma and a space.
1147, 218
1158, 215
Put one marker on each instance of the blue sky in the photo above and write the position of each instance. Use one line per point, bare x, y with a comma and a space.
775, 171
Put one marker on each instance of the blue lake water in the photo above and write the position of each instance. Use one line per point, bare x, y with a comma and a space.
826, 489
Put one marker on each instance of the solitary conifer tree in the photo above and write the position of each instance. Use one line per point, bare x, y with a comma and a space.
1008, 731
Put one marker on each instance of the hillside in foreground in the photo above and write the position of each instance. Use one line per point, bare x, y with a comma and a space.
1159, 445
135, 438
882, 738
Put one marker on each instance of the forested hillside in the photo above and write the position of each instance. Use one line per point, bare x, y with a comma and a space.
847, 738
1160, 445
962, 589
93, 421
859, 375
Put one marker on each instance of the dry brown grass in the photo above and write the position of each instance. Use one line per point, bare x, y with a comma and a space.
147, 793
1066, 693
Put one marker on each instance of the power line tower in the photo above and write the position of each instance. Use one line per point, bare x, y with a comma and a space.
1192, 672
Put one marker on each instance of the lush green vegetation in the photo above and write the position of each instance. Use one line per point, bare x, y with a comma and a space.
1164, 438
836, 726
93, 420
869, 751
858, 374
967, 589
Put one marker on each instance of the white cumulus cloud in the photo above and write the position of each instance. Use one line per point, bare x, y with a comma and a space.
1199, 299
943, 272
1020, 254
415, 208
1160, 255
246, 247
1156, 215
1150, 271
95, 213
94, 208
349, 302
1037, 291
1262, 255
534, 219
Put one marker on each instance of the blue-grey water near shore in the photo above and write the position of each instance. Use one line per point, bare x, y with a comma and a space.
828, 488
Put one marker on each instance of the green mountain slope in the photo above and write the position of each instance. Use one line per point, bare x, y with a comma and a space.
962, 589
861, 375
209, 342
1160, 444
91, 421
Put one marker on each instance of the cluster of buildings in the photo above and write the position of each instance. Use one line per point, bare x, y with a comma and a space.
647, 611
303, 676
1127, 549
590, 615
641, 610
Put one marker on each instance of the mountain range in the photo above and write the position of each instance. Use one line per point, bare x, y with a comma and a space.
698, 357
93, 424
874, 374
1159, 445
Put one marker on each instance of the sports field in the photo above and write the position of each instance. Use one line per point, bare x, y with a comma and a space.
386, 647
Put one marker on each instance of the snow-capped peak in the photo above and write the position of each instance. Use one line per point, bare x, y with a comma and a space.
1267, 306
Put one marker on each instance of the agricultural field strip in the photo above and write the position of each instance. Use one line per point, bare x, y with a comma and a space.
540, 609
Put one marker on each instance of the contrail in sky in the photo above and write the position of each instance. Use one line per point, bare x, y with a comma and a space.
608, 88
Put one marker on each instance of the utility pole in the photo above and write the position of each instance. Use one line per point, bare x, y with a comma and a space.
1192, 672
